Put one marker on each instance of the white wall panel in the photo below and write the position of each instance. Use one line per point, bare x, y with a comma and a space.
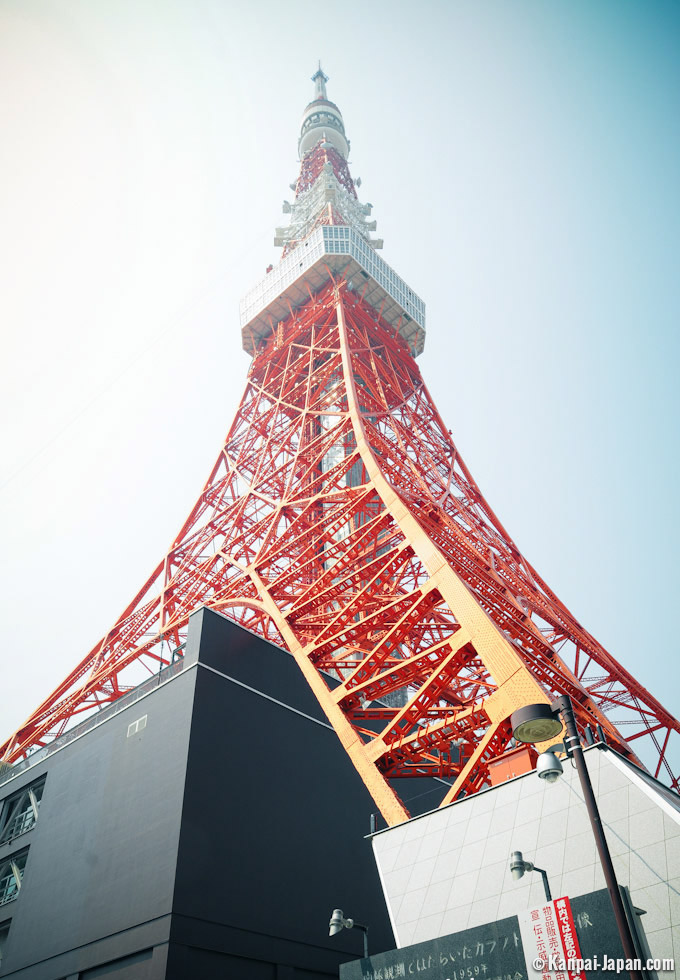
448, 870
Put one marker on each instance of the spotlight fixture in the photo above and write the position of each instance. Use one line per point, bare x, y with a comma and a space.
339, 922
518, 866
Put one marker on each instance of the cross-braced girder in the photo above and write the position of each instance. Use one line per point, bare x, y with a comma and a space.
340, 522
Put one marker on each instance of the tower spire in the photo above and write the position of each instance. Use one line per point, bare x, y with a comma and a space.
320, 79
322, 120
325, 193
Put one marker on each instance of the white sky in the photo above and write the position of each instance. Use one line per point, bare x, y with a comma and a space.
522, 161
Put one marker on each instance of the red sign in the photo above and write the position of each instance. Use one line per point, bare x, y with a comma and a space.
551, 946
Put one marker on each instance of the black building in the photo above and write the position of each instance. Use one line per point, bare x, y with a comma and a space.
204, 825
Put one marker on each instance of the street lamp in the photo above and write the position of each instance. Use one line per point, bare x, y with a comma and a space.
539, 722
518, 866
339, 922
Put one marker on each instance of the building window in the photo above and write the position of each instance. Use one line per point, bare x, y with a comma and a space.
4, 933
136, 726
11, 874
20, 812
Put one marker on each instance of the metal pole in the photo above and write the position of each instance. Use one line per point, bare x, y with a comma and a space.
573, 745
546, 885
366, 943
364, 931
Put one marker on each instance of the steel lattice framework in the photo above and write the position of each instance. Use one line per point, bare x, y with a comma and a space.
340, 522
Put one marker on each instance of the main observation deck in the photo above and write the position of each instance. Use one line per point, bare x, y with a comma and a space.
331, 250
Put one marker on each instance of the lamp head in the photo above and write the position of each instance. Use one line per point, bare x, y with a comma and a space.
518, 865
535, 723
339, 922
549, 767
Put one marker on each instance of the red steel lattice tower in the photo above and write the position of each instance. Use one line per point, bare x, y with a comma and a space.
340, 522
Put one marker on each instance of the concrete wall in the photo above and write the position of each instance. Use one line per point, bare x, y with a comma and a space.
449, 869
214, 841
99, 879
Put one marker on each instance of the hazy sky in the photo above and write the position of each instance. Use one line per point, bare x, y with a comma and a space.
523, 163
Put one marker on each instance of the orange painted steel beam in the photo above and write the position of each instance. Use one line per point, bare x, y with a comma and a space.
339, 521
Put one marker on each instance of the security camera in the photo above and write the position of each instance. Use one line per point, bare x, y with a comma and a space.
549, 766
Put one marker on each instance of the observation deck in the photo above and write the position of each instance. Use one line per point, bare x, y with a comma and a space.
331, 250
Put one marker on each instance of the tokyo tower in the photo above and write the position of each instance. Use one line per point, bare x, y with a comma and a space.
340, 522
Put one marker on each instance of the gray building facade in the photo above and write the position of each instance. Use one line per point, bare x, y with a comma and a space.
204, 825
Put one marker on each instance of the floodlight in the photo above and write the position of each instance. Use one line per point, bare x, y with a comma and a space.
339, 922
535, 723
518, 865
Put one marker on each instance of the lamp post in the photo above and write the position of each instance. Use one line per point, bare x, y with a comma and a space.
518, 866
339, 922
539, 722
